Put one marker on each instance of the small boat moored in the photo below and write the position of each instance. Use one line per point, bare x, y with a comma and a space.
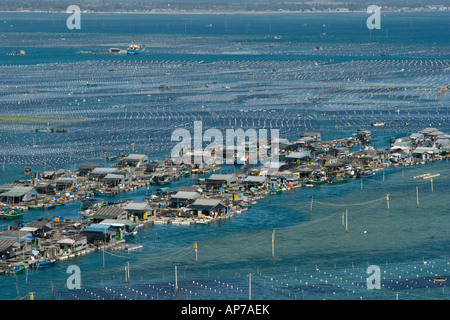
44, 130
16, 269
35, 207
103, 193
45, 263
439, 280
136, 49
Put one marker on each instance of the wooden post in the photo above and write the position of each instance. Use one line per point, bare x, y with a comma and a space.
312, 200
273, 244
387, 199
361, 184
176, 281
431, 181
417, 196
196, 252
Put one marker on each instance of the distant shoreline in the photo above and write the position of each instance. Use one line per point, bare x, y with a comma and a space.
212, 12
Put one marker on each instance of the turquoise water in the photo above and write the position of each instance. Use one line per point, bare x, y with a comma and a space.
223, 75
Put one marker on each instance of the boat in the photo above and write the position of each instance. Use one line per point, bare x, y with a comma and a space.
275, 191
160, 179
378, 124
136, 247
111, 158
136, 49
44, 130
45, 263
439, 280
16, 269
338, 180
186, 173
12, 215
91, 85
17, 53
88, 203
93, 204
315, 182
35, 207
27, 171
103, 194
366, 174
48, 206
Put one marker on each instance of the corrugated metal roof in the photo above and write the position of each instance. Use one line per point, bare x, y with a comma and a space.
259, 179
112, 176
186, 195
29, 229
138, 206
109, 212
105, 170
118, 223
426, 149
222, 177
38, 223
6, 244
204, 203
18, 191
136, 157
13, 235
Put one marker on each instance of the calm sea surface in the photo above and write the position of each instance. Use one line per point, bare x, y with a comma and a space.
292, 72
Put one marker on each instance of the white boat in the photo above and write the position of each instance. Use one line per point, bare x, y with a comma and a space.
203, 221
182, 221
439, 280
139, 246
161, 221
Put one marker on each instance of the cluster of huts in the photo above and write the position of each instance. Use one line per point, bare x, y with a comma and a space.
427, 144
307, 161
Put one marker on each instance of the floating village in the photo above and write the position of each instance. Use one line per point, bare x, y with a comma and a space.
105, 223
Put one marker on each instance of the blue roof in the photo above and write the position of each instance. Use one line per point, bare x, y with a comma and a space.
97, 227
